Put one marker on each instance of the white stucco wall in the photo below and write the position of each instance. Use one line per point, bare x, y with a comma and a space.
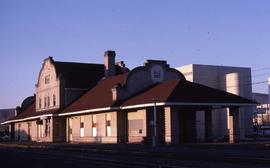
45, 90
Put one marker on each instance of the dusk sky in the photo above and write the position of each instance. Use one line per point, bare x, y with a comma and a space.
228, 32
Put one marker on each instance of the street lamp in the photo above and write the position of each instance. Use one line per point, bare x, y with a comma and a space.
154, 122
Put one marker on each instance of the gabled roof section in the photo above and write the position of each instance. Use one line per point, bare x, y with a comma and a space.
185, 92
98, 97
79, 75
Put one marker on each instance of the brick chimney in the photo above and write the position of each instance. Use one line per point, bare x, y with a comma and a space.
109, 63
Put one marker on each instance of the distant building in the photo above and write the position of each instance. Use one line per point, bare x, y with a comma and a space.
261, 111
6, 114
236, 80
107, 103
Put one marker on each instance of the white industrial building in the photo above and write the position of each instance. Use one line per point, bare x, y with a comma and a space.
236, 80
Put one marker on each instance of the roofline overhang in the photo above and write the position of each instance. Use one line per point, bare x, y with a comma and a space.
214, 105
26, 119
89, 111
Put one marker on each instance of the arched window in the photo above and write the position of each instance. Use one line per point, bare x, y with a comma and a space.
45, 102
48, 101
54, 100
47, 79
39, 103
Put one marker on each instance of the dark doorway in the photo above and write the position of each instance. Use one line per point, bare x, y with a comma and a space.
187, 125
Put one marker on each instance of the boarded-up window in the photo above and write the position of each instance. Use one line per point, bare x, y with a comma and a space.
135, 127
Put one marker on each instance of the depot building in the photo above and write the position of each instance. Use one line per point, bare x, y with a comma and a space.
108, 103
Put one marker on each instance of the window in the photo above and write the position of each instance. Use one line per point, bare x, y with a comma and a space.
40, 129
39, 103
135, 127
45, 102
94, 125
47, 127
108, 125
157, 74
54, 100
47, 79
82, 127
48, 99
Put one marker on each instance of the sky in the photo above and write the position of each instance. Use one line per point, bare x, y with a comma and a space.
228, 32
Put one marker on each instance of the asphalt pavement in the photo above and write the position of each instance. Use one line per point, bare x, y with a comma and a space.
134, 155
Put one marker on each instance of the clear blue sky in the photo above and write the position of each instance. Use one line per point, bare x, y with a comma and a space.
228, 32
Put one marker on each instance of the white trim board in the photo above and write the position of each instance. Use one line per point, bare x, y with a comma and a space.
28, 118
89, 111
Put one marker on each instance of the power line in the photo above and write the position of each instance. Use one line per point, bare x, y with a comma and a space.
260, 69
247, 84
258, 75
241, 76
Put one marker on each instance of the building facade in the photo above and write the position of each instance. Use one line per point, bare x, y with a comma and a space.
58, 84
151, 103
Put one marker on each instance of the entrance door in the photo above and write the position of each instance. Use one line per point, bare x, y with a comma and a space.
187, 124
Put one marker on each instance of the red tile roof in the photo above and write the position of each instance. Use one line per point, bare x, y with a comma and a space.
98, 97
30, 111
182, 91
176, 91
